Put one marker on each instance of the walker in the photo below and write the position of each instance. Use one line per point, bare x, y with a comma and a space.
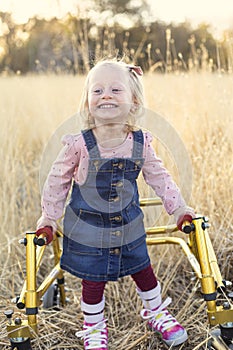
196, 245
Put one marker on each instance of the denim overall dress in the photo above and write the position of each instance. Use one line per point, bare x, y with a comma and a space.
104, 234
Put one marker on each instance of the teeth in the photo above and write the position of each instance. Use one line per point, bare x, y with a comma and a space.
107, 106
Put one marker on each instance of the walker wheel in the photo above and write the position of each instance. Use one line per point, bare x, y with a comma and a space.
21, 344
50, 298
216, 342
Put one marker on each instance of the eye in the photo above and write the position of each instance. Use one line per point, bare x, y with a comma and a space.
116, 90
98, 91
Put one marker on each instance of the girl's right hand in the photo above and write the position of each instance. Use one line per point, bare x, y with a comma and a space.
47, 231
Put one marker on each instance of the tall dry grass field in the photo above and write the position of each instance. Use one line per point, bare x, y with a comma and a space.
200, 108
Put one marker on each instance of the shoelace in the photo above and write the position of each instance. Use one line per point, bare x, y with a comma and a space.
93, 335
165, 319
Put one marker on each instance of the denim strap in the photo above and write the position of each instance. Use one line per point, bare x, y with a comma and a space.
91, 143
138, 144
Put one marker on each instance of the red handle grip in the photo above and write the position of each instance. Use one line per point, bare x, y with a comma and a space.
184, 219
47, 232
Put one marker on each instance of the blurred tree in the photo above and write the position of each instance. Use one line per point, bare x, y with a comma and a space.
12, 41
78, 34
73, 43
206, 45
125, 13
49, 48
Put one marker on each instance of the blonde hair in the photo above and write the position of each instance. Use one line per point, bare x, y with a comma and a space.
136, 88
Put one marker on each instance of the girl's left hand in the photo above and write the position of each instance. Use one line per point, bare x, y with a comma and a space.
182, 219
183, 214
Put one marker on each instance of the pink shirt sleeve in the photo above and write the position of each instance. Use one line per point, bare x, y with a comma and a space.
159, 179
58, 182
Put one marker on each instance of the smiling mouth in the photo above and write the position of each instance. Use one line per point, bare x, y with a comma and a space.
107, 106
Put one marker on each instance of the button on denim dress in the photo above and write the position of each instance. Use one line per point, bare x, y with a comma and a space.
104, 234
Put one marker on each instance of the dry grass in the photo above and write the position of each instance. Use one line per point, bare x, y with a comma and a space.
200, 108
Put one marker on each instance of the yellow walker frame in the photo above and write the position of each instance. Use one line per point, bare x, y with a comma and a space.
196, 246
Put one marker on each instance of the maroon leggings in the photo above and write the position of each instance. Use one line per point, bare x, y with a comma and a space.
92, 292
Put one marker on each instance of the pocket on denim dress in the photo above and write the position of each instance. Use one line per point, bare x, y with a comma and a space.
84, 231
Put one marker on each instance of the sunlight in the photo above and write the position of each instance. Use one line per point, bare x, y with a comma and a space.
218, 14
165, 9
25, 9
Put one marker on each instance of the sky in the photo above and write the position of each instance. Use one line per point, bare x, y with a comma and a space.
219, 13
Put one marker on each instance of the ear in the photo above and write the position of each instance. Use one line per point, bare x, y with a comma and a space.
135, 101
135, 105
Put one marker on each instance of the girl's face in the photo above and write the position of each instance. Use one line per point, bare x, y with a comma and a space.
109, 94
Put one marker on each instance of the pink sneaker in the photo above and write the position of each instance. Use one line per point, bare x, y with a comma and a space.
95, 335
163, 323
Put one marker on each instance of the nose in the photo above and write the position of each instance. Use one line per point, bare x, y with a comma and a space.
107, 95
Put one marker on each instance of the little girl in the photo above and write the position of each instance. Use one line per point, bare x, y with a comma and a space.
104, 234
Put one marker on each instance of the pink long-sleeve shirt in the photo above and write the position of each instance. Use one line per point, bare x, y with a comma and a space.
72, 164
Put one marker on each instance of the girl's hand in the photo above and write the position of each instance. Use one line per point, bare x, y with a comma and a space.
182, 219
183, 214
47, 231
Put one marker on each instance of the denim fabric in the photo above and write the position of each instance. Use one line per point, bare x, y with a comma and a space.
104, 234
